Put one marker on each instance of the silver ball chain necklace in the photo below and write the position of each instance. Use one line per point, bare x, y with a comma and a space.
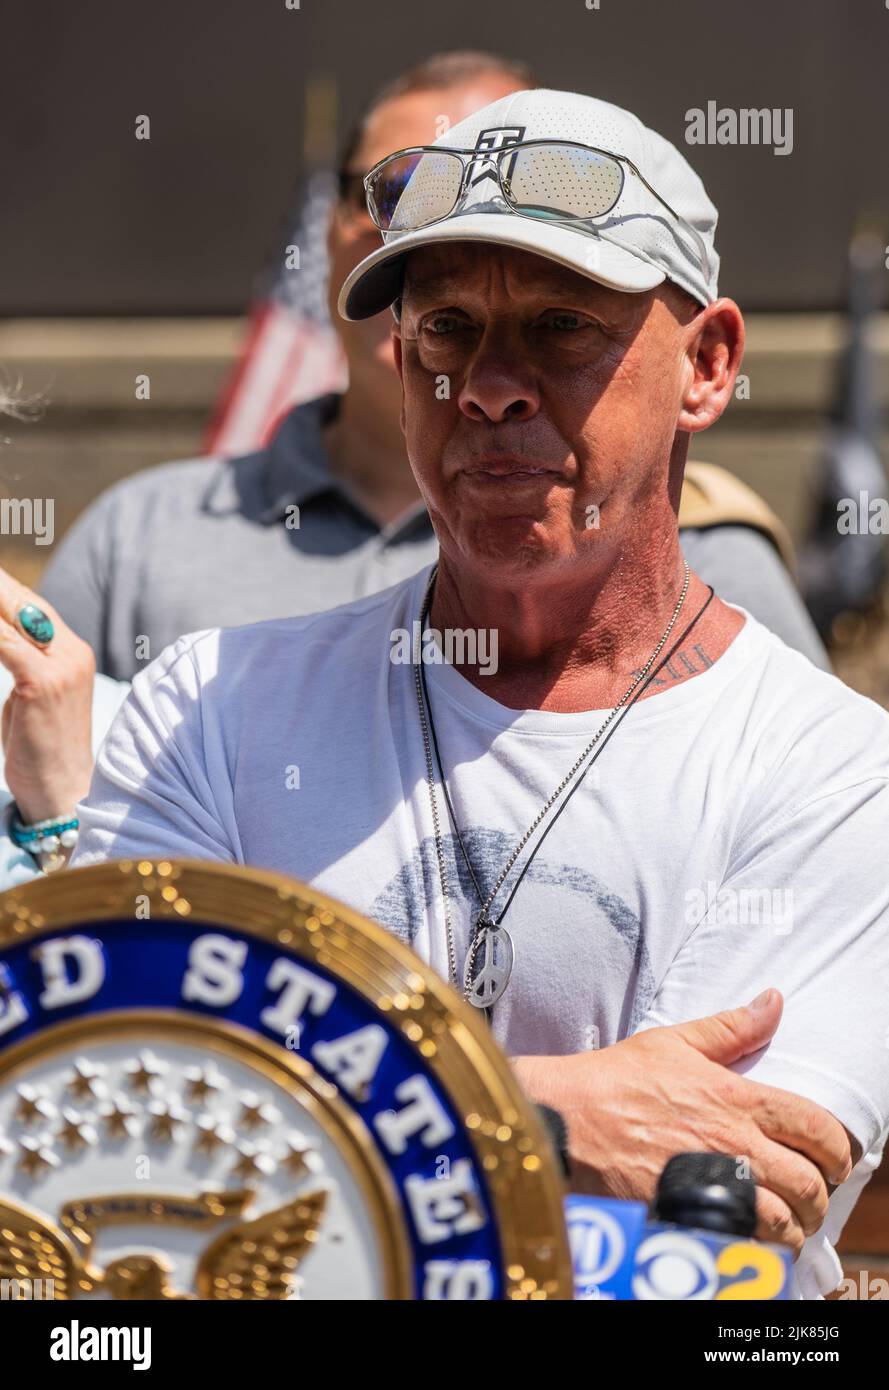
491, 955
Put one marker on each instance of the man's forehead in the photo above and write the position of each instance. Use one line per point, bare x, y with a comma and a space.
433, 270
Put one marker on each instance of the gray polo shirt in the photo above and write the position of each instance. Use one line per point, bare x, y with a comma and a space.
219, 542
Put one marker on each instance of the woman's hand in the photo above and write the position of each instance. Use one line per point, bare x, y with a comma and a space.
47, 719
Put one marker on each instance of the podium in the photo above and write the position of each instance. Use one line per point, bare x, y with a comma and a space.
216, 1083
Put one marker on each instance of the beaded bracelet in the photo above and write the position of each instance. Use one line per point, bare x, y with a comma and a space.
50, 841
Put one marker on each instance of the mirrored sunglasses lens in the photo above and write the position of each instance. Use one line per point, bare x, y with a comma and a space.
412, 190
562, 181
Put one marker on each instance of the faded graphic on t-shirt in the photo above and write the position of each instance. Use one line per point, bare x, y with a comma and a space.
403, 904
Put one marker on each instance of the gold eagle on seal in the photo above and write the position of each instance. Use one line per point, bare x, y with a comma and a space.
256, 1258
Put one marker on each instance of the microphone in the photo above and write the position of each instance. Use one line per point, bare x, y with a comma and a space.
694, 1244
557, 1132
706, 1191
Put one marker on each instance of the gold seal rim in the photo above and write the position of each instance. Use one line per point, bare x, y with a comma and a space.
511, 1147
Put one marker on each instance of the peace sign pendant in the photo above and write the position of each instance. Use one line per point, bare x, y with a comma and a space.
488, 965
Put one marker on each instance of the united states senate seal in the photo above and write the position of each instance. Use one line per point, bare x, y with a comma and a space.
216, 1083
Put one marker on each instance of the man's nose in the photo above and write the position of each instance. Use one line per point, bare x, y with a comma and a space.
499, 386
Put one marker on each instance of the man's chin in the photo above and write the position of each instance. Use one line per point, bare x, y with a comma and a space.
517, 545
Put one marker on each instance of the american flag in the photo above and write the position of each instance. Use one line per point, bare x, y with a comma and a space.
291, 352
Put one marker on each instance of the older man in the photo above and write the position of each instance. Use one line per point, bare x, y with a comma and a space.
155, 555
622, 808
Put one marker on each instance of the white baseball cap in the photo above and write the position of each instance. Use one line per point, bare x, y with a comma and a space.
637, 245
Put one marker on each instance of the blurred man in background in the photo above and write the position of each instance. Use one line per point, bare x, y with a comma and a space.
329, 511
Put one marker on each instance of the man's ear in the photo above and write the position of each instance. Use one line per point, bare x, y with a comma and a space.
713, 357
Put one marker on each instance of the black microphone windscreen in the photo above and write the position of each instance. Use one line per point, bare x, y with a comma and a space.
557, 1130
711, 1191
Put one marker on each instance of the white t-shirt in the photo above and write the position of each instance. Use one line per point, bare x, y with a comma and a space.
732, 836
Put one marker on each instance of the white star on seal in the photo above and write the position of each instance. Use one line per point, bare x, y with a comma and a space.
211, 1134
34, 1104
300, 1157
165, 1116
253, 1159
36, 1154
76, 1133
87, 1083
256, 1112
118, 1115
203, 1080
144, 1071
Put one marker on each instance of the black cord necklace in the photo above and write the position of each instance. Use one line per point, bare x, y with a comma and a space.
486, 981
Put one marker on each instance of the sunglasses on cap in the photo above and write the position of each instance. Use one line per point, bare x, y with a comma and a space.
553, 180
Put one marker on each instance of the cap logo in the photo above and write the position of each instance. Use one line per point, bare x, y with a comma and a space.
488, 142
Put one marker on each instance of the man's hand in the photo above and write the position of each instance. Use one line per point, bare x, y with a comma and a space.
47, 717
633, 1105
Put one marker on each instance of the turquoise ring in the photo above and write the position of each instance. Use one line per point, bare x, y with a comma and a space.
36, 624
